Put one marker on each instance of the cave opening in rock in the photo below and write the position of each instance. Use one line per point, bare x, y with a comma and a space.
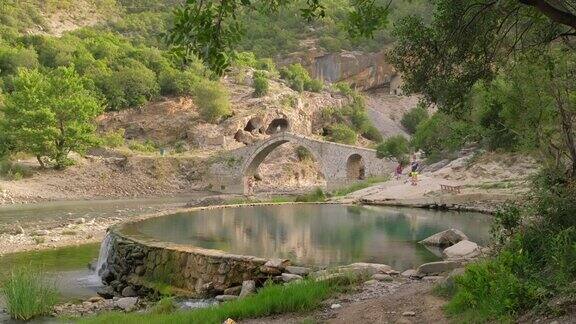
355, 169
277, 125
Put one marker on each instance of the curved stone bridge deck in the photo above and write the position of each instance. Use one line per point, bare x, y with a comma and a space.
339, 164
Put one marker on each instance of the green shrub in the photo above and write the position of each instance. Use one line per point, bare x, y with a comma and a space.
414, 117
317, 195
442, 134
175, 82
165, 305
372, 133
146, 147
181, 147
492, 290
303, 153
341, 133
13, 58
260, 83
299, 79
395, 147
246, 59
212, 100
344, 88
266, 64
314, 85
28, 294
536, 260
12, 171
114, 139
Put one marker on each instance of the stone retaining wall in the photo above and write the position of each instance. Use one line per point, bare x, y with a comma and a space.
145, 266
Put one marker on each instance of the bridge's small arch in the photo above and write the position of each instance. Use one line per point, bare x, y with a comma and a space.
355, 168
250, 169
278, 125
254, 124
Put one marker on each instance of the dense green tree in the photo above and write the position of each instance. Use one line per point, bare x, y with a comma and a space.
13, 58
531, 105
212, 30
212, 100
50, 114
395, 147
471, 41
342, 133
414, 117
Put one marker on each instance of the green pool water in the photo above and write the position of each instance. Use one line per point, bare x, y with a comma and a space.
315, 234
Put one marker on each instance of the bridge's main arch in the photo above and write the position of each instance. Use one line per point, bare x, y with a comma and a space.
339, 164
264, 148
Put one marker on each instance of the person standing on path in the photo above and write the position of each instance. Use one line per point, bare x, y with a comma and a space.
414, 171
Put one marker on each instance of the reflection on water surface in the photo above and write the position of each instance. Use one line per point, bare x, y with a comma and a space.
319, 235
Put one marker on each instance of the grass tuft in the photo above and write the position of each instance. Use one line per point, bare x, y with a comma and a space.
28, 294
273, 299
360, 185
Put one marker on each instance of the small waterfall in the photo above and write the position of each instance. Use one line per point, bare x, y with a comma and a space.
105, 248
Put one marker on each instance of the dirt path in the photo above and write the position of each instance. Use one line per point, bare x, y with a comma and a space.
393, 302
414, 297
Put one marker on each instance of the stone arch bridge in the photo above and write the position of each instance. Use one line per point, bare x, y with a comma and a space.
340, 164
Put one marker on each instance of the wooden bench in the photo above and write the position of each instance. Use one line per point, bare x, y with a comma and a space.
447, 188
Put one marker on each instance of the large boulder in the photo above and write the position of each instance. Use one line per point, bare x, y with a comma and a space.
301, 271
127, 304
445, 238
434, 268
462, 250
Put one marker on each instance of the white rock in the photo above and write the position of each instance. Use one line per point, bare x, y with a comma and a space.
367, 268
301, 271
433, 268
409, 313
382, 277
335, 306
445, 238
277, 263
409, 273
224, 298
41, 232
432, 278
248, 287
127, 303
462, 250
288, 277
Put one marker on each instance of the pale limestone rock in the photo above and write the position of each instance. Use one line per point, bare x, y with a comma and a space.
301, 271
225, 298
433, 268
288, 277
248, 287
126, 303
462, 250
445, 238
382, 277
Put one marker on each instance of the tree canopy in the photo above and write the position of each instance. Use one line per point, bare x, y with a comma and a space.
50, 114
212, 29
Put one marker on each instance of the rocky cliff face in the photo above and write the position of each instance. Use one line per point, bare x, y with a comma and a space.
361, 70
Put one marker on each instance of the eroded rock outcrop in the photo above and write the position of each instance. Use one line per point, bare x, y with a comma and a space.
361, 70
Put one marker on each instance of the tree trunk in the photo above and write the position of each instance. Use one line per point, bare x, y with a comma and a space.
39, 158
566, 120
